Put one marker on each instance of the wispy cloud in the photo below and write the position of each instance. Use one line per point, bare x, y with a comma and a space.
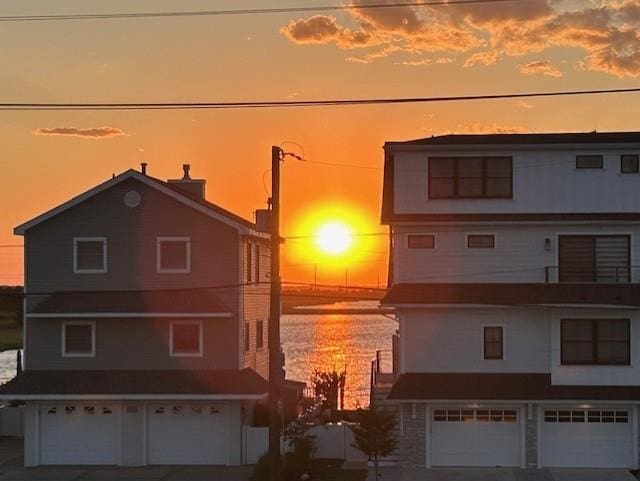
523, 104
543, 67
484, 58
90, 133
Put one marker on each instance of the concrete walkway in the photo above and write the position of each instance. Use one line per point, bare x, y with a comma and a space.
501, 474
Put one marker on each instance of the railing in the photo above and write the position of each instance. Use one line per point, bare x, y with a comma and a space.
615, 274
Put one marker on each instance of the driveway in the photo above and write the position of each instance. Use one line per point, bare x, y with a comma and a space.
501, 474
147, 473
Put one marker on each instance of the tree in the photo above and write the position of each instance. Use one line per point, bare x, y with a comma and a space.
329, 387
373, 434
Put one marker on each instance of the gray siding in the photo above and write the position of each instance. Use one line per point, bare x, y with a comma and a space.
256, 304
132, 344
131, 245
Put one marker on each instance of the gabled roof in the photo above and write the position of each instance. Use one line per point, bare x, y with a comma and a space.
502, 386
514, 294
526, 139
135, 384
172, 190
129, 304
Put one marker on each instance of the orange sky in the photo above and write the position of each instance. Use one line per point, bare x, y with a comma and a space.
529, 45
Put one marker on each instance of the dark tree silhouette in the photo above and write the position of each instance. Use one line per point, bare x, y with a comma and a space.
373, 434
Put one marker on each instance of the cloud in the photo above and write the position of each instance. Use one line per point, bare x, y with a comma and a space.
385, 52
543, 67
416, 63
91, 133
523, 104
606, 35
484, 58
489, 128
444, 60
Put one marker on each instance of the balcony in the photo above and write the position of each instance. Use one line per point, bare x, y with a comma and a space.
622, 274
384, 371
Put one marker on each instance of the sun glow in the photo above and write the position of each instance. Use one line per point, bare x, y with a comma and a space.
334, 238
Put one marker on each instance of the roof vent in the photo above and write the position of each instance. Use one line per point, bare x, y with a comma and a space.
185, 169
143, 168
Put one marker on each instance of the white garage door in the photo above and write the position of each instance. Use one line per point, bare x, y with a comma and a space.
590, 438
80, 434
187, 434
475, 437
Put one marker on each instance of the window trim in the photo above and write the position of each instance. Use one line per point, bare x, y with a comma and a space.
590, 155
247, 336
77, 270
248, 254
482, 337
64, 339
200, 335
257, 263
471, 234
637, 159
456, 178
435, 240
159, 241
594, 342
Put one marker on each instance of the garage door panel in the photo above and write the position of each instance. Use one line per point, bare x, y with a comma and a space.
186, 434
590, 438
80, 434
475, 440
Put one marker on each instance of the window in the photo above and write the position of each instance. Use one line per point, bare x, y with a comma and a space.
78, 339
475, 415
481, 241
493, 342
247, 336
590, 258
257, 277
259, 334
629, 164
89, 255
421, 241
186, 338
581, 416
249, 259
470, 177
589, 161
173, 254
595, 341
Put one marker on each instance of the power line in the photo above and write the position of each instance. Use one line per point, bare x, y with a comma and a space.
238, 12
19, 106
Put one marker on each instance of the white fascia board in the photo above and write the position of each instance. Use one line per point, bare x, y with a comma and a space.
132, 397
480, 402
21, 229
512, 306
115, 315
511, 147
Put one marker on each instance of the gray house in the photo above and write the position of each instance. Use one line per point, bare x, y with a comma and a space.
145, 327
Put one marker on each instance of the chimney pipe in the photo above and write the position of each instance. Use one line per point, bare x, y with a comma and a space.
185, 169
143, 168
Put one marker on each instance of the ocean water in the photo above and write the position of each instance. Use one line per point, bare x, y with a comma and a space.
324, 342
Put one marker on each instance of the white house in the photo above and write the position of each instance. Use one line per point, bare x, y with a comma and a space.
514, 275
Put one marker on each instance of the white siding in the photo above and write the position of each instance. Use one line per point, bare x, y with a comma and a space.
519, 255
543, 181
450, 340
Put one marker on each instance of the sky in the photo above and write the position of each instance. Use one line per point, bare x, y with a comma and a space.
523, 45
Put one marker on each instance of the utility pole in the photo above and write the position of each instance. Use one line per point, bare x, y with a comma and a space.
275, 359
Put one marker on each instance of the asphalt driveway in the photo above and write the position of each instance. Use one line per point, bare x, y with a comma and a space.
501, 474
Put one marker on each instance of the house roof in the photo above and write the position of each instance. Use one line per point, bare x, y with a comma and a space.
525, 139
623, 295
175, 302
135, 384
171, 189
501, 386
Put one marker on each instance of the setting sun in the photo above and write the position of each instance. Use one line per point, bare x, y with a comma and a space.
334, 238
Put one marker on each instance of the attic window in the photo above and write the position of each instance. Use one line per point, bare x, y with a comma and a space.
89, 255
173, 255
589, 161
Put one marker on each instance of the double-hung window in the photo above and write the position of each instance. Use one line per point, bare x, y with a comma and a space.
259, 334
173, 255
470, 178
629, 163
595, 341
186, 338
89, 255
493, 342
78, 339
421, 241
